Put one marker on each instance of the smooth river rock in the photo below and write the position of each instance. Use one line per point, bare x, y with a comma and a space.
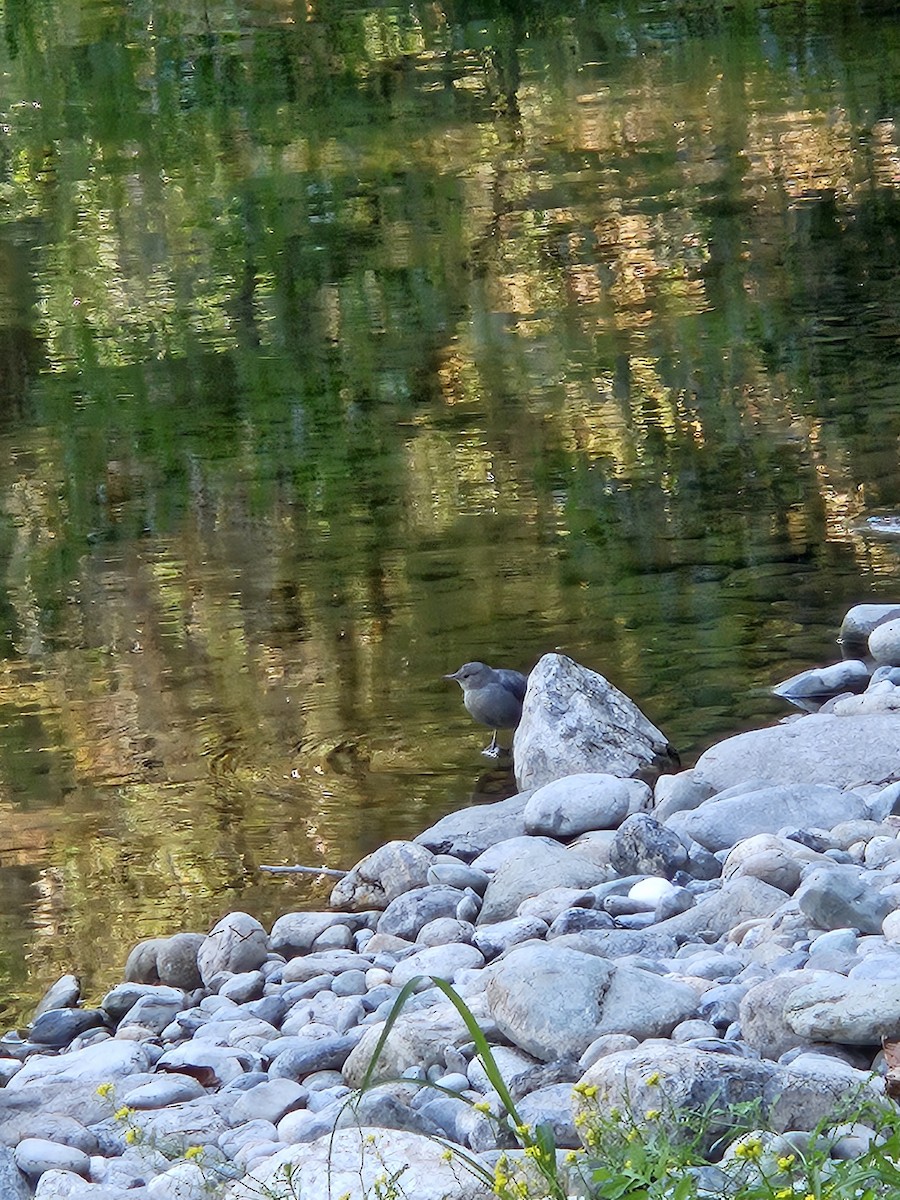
843, 1010
720, 824
574, 721
553, 1002
823, 748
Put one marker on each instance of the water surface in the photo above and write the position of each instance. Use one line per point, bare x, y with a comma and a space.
341, 344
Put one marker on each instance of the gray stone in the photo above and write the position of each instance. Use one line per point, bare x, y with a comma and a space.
686, 1078
213, 1065
154, 1012
444, 930
552, 1106
574, 721
835, 897
349, 983
244, 987
822, 748
546, 906
236, 943
851, 675
269, 1101
164, 1090
861, 619
577, 803
575, 920
107, 1060
498, 937
762, 1019
539, 866
320, 1054
849, 1011
720, 824
329, 962
644, 847
884, 643
470, 831
443, 962
881, 699
459, 875
58, 1026
123, 997
65, 993
12, 1182
34, 1156
171, 961
773, 859
679, 793
553, 1001
406, 914
382, 876
348, 1165
295, 932
418, 1038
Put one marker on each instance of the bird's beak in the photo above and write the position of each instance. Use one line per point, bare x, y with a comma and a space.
454, 676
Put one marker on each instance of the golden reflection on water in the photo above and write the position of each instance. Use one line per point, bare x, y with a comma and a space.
501, 356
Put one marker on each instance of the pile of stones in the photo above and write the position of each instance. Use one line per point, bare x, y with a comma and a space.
725, 933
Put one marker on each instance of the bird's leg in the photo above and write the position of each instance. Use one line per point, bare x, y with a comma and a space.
493, 750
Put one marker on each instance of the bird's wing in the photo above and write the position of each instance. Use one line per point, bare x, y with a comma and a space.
513, 681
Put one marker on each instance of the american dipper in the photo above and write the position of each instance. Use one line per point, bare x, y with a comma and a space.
493, 697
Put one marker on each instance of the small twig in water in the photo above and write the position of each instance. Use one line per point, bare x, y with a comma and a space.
304, 871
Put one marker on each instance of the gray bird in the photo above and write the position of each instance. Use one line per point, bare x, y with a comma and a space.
493, 697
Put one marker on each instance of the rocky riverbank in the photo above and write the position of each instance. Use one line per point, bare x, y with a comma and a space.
731, 930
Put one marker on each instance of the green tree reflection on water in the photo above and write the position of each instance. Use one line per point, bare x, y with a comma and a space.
339, 344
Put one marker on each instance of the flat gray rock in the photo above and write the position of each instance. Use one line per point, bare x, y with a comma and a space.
349, 1164
578, 803
884, 643
383, 875
848, 1011
851, 675
642, 846
837, 897
236, 943
407, 914
537, 867
861, 619
762, 1018
553, 1001
469, 832
574, 721
822, 748
719, 824
682, 1077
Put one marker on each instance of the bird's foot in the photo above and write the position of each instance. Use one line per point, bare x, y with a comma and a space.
493, 751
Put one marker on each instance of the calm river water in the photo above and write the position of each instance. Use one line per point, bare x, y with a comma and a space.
340, 344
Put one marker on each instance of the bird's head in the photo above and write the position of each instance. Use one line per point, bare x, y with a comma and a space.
470, 674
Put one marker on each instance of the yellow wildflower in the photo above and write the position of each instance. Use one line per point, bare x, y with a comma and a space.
193, 1152
784, 1194
750, 1150
123, 1113
786, 1162
132, 1136
482, 1106
632, 1135
533, 1151
523, 1131
653, 1114
104, 1089
447, 1155
570, 1158
653, 1079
